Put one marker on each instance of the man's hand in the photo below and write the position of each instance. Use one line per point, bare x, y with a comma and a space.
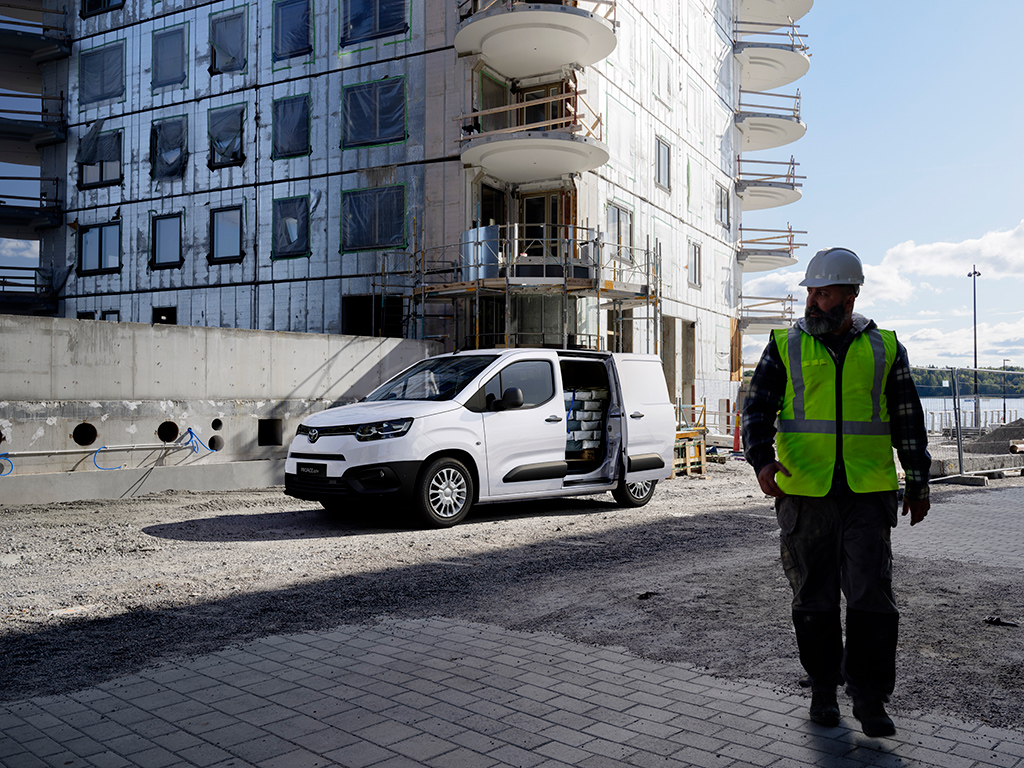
766, 479
918, 509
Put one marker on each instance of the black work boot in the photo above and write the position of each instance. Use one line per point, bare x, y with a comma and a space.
873, 719
825, 707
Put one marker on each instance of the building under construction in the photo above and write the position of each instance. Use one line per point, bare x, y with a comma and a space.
567, 173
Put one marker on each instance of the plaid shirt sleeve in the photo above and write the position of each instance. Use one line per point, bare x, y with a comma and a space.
906, 420
762, 406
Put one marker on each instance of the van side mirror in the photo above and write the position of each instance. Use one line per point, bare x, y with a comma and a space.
510, 398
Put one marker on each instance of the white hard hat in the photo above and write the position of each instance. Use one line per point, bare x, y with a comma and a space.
834, 266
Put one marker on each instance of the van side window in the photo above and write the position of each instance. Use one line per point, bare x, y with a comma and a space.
536, 378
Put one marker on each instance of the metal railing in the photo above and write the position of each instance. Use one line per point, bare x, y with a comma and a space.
769, 171
781, 240
572, 114
44, 112
8, 19
765, 308
23, 280
781, 104
46, 198
770, 33
603, 8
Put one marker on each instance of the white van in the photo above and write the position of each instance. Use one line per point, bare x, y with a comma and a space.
493, 425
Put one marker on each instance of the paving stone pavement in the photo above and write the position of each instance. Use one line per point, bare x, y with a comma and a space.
449, 693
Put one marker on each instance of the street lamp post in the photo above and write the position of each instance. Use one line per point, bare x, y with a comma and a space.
974, 274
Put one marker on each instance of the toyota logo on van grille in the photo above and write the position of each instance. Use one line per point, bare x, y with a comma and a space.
313, 435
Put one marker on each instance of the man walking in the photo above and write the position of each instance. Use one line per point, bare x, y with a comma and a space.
841, 393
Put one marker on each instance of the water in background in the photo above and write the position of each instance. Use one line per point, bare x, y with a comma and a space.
938, 411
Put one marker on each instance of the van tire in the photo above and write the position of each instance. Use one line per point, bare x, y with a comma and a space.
444, 493
634, 494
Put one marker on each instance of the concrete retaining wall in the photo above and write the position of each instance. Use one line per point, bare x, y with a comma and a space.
81, 396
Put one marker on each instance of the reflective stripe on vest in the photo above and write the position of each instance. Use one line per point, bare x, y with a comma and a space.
808, 430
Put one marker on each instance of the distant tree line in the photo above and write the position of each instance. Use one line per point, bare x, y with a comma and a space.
990, 383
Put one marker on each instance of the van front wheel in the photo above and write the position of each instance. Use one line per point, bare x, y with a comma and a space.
634, 494
445, 493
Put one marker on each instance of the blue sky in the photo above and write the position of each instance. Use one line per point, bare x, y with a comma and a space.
913, 158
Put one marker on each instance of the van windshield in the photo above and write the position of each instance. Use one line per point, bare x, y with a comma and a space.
437, 378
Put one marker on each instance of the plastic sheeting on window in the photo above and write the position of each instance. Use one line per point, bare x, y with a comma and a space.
291, 29
370, 19
101, 73
169, 57
225, 127
227, 43
373, 218
373, 113
291, 127
96, 147
291, 227
168, 148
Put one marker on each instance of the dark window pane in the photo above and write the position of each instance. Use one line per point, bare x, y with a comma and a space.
291, 29
101, 73
99, 248
291, 127
369, 19
169, 57
373, 218
225, 127
168, 152
226, 234
373, 113
89, 7
227, 43
166, 241
291, 227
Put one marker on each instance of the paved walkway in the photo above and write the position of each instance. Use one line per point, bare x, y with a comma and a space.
448, 693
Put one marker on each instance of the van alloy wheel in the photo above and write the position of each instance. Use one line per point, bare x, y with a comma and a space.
634, 494
445, 493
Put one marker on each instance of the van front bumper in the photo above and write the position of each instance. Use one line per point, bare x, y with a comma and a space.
391, 479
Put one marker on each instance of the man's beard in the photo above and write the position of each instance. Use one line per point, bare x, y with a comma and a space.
826, 322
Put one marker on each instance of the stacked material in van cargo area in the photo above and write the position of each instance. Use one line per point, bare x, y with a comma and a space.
585, 411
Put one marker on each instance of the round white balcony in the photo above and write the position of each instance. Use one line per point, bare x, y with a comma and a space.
774, 11
764, 66
763, 260
766, 131
758, 195
534, 39
527, 156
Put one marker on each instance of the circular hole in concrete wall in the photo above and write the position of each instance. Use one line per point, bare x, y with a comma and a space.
84, 434
167, 432
216, 443
217, 425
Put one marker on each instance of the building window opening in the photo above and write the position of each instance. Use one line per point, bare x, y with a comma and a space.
99, 158
169, 57
620, 233
168, 148
92, 7
166, 242
373, 218
165, 315
225, 129
101, 73
99, 248
370, 19
722, 206
112, 315
228, 37
291, 29
373, 113
226, 234
291, 127
693, 264
291, 228
663, 168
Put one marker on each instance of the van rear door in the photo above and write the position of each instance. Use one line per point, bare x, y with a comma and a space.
648, 418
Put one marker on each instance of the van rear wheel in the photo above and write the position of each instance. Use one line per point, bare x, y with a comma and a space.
445, 493
634, 494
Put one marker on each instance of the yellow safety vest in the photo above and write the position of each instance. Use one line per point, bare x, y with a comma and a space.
808, 429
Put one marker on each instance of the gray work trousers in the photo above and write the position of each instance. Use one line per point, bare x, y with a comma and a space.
841, 545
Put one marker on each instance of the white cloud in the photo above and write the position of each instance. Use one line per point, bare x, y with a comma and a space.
19, 249
996, 255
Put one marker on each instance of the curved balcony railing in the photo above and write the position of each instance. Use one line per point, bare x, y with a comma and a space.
763, 249
14, 16
768, 120
522, 149
768, 183
519, 39
769, 56
760, 314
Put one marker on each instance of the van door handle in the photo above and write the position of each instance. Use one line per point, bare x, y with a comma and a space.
636, 415
552, 419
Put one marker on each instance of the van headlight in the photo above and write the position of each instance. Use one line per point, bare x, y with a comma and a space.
381, 430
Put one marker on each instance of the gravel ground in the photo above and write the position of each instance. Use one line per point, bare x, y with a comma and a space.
94, 590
